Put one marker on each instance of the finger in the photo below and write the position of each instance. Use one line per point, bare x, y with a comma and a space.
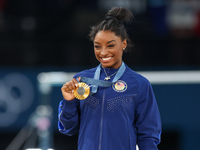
65, 88
71, 86
75, 82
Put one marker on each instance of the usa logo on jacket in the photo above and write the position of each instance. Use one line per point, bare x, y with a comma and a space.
119, 86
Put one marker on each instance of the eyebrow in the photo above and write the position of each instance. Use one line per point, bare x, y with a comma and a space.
107, 42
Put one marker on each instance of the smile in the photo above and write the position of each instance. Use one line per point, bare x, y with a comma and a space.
108, 58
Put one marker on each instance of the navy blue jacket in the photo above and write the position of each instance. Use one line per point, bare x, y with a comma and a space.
116, 117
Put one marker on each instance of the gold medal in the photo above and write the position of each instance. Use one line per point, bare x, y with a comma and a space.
82, 91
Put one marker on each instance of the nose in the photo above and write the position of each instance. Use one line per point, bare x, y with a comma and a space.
104, 51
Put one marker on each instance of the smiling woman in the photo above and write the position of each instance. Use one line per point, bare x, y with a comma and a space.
108, 49
120, 112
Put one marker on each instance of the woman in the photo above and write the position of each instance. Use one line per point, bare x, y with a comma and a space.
121, 115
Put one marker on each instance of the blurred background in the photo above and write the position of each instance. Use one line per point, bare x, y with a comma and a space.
52, 35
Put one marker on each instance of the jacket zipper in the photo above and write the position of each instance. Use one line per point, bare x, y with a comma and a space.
101, 125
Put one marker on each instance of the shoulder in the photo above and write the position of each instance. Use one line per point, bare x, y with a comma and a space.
134, 76
143, 84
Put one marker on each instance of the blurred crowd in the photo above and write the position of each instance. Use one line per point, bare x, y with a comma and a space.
55, 32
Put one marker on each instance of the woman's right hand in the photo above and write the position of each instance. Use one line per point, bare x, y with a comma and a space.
68, 89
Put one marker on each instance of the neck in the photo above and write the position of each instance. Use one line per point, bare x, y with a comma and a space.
115, 66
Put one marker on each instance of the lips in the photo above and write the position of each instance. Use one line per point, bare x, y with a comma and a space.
106, 58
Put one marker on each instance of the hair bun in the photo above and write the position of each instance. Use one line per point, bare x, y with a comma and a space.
121, 14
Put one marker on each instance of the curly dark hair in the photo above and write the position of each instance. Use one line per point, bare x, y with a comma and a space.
113, 22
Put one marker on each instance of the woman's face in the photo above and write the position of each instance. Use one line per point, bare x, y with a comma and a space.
108, 49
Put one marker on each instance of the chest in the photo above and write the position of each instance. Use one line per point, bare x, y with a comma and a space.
118, 99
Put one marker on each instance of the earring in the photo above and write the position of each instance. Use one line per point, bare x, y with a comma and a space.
124, 48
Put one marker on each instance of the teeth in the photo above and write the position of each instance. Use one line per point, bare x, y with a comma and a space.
107, 58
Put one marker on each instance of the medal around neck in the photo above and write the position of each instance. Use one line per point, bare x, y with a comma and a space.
82, 91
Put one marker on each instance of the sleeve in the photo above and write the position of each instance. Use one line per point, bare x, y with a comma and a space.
68, 117
147, 119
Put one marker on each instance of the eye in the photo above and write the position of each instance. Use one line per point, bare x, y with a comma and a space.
112, 45
97, 47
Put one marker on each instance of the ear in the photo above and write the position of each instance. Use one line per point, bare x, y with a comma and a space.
124, 44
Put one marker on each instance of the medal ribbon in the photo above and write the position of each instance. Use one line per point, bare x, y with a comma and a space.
95, 82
